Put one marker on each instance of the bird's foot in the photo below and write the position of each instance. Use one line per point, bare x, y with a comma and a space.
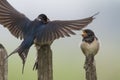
35, 67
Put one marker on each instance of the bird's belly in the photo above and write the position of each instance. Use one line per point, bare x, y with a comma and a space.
91, 48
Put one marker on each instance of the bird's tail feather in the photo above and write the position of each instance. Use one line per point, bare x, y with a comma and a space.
15, 51
22, 53
89, 61
23, 56
90, 58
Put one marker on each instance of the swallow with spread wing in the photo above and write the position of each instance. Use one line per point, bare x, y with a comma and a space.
40, 30
90, 44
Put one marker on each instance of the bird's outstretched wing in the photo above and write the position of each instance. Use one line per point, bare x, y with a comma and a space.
56, 29
15, 21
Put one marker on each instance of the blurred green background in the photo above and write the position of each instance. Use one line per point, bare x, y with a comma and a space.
68, 59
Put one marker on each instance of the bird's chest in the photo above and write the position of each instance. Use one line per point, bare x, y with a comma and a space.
90, 48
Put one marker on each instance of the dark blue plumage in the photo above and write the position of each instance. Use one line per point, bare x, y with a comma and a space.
39, 31
29, 36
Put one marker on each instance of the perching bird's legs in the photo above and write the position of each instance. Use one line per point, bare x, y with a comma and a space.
22, 53
43, 49
35, 67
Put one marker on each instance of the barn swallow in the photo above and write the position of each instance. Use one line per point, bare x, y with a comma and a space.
40, 30
90, 43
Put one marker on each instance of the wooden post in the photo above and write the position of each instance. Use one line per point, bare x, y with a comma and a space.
90, 68
3, 64
45, 70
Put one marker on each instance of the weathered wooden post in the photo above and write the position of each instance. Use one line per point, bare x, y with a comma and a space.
90, 68
45, 70
3, 64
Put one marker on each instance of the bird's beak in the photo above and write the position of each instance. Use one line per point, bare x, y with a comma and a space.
84, 34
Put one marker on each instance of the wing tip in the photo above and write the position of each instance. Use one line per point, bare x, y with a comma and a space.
95, 15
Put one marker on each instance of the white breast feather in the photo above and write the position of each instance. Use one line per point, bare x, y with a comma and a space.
91, 48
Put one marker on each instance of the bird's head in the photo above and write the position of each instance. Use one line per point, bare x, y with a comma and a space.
87, 33
43, 18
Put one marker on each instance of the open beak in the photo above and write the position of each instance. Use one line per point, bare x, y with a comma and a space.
84, 34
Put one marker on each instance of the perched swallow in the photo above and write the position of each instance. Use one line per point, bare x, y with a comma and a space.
41, 30
90, 43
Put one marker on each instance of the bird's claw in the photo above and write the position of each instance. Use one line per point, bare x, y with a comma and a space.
35, 67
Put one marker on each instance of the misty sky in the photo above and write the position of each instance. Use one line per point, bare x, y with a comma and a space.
106, 25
